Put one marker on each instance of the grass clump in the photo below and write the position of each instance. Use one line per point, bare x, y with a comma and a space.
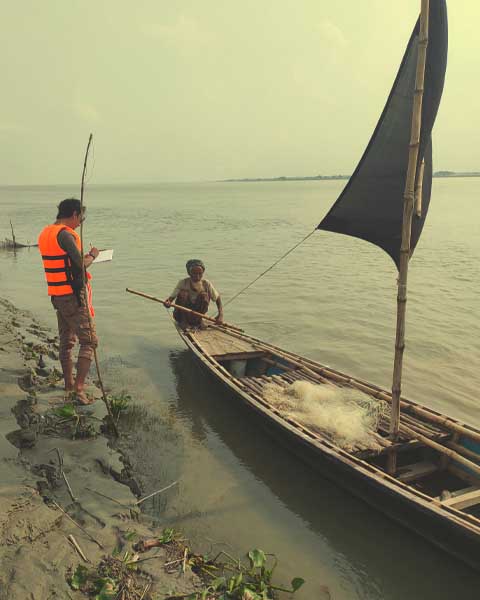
112, 578
119, 403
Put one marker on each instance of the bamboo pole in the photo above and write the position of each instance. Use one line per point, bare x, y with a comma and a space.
408, 206
183, 308
85, 298
419, 190
446, 451
462, 450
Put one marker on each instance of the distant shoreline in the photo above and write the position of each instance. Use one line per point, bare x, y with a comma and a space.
439, 174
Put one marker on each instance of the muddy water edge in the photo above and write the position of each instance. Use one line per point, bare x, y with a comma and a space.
70, 520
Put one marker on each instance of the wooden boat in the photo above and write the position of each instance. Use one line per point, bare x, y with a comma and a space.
425, 470
435, 491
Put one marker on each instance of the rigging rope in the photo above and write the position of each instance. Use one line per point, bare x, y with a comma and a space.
271, 267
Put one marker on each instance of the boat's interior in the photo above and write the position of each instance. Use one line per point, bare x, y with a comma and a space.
427, 449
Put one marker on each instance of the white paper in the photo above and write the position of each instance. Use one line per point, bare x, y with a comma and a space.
103, 256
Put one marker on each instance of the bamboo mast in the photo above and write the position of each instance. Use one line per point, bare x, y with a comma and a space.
408, 207
85, 296
419, 190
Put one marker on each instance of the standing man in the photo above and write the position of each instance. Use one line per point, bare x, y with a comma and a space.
60, 247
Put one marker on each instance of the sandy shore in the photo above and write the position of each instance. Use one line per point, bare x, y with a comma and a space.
36, 556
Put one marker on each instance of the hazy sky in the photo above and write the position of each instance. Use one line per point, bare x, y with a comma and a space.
208, 89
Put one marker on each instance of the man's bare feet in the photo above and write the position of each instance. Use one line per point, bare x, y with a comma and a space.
67, 394
82, 398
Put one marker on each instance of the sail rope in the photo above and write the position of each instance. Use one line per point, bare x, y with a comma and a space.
270, 267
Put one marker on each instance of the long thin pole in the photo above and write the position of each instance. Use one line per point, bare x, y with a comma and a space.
408, 206
85, 299
183, 308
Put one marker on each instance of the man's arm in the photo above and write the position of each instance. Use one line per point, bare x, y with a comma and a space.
173, 295
66, 241
219, 317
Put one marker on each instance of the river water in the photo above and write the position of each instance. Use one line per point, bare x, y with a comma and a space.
333, 299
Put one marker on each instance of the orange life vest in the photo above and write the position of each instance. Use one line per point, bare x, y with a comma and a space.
59, 272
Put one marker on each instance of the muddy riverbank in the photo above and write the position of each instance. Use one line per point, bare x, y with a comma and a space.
73, 523
42, 447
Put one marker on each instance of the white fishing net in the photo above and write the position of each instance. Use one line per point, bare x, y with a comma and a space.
346, 416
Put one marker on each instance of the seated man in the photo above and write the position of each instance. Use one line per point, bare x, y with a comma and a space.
195, 293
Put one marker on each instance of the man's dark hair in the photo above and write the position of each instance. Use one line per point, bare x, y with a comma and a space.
67, 207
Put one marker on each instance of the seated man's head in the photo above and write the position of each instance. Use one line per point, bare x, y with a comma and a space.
195, 269
70, 211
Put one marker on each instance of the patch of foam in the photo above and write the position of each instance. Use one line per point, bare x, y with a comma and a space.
345, 415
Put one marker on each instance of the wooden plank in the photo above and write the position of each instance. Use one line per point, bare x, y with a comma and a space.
456, 493
416, 471
237, 356
216, 342
462, 501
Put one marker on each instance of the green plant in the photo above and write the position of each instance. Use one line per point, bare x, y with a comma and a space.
79, 578
119, 403
67, 411
81, 427
169, 535
237, 581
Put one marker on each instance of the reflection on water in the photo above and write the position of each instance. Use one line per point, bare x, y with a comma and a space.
332, 300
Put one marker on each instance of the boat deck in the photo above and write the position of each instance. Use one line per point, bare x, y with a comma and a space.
219, 343
222, 347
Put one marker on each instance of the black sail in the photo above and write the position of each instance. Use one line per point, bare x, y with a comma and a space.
371, 205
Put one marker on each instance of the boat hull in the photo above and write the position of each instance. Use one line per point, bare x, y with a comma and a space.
398, 504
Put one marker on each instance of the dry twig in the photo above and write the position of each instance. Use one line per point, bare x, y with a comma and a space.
155, 493
89, 535
75, 544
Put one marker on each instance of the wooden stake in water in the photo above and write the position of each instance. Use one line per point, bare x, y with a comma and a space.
13, 235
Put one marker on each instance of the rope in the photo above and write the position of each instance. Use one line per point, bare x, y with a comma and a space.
271, 267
